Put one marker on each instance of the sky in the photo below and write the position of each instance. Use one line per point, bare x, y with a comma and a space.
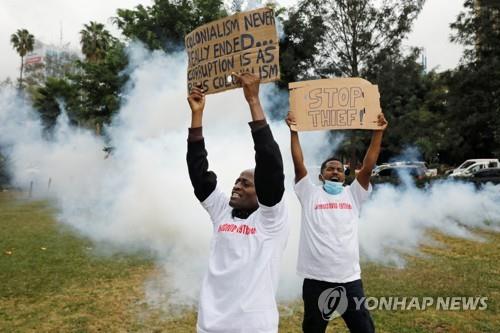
45, 18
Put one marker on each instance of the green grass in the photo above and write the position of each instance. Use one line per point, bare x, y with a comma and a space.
52, 280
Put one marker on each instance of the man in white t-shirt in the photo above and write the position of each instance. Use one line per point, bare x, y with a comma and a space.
250, 227
328, 248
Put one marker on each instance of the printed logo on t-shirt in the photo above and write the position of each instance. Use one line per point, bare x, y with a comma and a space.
237, 229
333, 205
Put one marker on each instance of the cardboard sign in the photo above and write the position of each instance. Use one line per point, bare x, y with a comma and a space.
244, 42
334, 104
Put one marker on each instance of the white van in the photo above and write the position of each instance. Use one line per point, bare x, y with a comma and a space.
467, 168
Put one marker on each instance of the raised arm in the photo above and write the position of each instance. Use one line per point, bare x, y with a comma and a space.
297, 156
251, 85
203, 181
268, 177
372, 153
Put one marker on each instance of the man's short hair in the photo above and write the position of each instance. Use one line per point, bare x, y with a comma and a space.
333, 158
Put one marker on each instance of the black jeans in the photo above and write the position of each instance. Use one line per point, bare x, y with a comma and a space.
357, 320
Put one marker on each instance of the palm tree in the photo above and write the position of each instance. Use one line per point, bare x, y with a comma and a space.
95, 41
23, 42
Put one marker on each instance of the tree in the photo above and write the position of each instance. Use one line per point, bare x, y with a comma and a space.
414, 103
304, 30
477, 29
343, 38
100, 78
358, 30
164, 24
23, 42
95, 41
6, 83
4, 174
474, 87
49, 98
99, 85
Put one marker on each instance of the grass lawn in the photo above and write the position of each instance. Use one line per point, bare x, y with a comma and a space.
51, 280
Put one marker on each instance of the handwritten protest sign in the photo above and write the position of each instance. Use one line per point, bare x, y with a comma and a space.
244, 42
346, 103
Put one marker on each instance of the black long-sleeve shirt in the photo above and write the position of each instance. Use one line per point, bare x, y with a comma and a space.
268, 177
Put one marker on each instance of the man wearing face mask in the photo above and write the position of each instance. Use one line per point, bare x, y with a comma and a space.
328, 248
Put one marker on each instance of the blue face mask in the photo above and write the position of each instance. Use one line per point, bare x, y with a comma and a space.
333, 187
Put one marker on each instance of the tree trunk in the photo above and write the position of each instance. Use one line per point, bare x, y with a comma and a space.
354, 160
21, 74
98, 128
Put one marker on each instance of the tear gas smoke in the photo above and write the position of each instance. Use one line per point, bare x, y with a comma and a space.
140, 198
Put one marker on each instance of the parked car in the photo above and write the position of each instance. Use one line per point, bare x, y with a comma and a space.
415, 171
483, 176
487, 173
469, 167
416, 168
423, 165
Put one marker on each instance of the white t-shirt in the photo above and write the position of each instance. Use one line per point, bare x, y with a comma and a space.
328, 247
238, 290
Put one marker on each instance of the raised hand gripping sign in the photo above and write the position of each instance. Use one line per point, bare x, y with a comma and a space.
244, 42
334, 104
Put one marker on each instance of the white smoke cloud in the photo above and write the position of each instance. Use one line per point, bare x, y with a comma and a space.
394, 222
140, 198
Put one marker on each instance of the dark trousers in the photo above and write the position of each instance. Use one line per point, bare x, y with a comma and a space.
357, 320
